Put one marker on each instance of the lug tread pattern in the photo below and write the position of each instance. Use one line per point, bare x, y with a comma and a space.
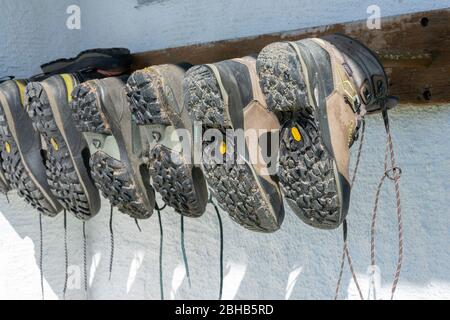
281, 80
112, 177
307, 177
16, 173
232, 184
85, 112
172, 178
204, 100
144, 94
62, 176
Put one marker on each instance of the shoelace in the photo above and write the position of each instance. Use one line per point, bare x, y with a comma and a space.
66, 257
7, 197
346, 251
161, 246
85, 260
41, 252
183, 250
396, 174
219, 218
137, 225
111, 233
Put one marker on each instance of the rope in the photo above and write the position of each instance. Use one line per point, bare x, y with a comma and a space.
7, 197
221, 246
161, 244
85, 259
111, 233
66, 257
41, 251
183, 250
396, 174
345, 250
346, 253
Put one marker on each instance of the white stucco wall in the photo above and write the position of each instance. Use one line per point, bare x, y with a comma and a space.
297, 262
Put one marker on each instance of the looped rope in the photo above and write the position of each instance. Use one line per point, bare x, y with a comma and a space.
161, 245
41, 253
389, 155
111, 233
345, 250
219, 218
394, 173
183, 251
85, 260
66, 257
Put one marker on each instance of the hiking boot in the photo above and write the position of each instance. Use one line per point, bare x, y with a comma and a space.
156, 101
109, 62
21, 150
224, 96
118, 148
324, 87
68, 171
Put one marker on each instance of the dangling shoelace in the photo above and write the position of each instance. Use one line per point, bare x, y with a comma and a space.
66, 257
219, 218
41, 252
161, 246
85, 260
346, 251
394, 174
183, 251
137, 225
111, 233
7, 197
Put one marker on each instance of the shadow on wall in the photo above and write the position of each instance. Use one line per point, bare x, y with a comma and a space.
297, 262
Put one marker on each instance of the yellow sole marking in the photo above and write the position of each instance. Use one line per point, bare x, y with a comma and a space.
68, 80
296, 134
21, 87
223, 148
8, 147
54, 144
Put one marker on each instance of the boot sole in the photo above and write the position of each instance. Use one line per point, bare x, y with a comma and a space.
69, 178
180, 184
5, 185
17, 172
285, 81
236, 187
112, 177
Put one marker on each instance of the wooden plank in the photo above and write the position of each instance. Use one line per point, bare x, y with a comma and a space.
414, 48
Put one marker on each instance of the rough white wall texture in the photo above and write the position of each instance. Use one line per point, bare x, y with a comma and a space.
297, 262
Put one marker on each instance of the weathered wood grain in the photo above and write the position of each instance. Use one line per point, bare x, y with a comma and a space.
414, 48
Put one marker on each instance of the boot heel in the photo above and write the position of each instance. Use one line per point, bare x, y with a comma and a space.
282, 81
86, 112
145, 93
179, 184
307, 176
205, 101
112, 177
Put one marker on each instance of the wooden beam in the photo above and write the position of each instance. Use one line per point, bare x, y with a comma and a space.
414, 48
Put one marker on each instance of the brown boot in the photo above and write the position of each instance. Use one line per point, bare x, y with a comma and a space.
226, 96
325, 86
